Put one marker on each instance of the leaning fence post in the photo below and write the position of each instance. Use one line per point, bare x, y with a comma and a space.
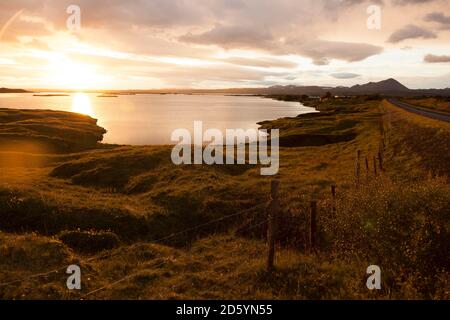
273, 210
313, 226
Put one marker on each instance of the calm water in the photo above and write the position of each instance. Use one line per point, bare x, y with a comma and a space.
150, 119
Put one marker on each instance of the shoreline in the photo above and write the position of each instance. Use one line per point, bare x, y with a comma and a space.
297, 109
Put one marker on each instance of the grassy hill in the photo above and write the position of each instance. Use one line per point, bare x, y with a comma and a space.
46, 131
103, 208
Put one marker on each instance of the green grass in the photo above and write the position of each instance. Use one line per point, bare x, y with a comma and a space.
123, 196
46, 131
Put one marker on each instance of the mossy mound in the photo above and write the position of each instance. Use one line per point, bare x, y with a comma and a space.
89, 241
46, 131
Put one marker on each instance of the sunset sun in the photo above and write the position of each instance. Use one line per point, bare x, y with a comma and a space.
73, 75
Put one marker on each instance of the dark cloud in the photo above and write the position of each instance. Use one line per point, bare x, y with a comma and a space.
430, 58
411, 32
230, 37
440, 18
248, 37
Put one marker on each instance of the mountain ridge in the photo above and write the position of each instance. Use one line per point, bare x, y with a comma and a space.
385, 87
388, 87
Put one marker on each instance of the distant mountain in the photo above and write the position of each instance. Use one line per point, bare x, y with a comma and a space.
385, 86
6, 90
389, 87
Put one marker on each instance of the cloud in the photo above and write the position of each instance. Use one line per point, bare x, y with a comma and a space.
411, 32
321, 50
261, 62
159, 36
23, 24
406, 2
321, 61
116, 13
440, 18
345, 75
199, 76
431, 58
355, 2
249, 37
38, 44
230, 37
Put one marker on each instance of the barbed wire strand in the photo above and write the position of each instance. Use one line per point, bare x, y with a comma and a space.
133, 246
137, 245
110, 285
37, 275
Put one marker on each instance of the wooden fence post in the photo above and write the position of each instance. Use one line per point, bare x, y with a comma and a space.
358, 166
374, 165
380, 160
381, 124
273, 210
333, 195
313, 226
381, 146
367, 166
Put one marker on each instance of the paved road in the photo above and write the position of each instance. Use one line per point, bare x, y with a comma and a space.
422, 112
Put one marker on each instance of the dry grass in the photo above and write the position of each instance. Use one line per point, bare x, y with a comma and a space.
437, 104
418, 145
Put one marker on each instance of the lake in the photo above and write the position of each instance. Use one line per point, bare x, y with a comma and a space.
151, 119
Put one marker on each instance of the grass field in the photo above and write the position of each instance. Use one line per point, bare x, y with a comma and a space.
108, 202
436, 104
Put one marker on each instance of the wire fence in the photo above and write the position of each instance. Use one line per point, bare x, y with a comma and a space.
130, 276
134, 246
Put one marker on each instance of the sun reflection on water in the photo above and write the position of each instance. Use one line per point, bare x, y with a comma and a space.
82, 104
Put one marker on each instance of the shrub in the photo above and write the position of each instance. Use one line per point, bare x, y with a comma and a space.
403, 227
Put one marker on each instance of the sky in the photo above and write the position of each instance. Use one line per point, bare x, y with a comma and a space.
152, 44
